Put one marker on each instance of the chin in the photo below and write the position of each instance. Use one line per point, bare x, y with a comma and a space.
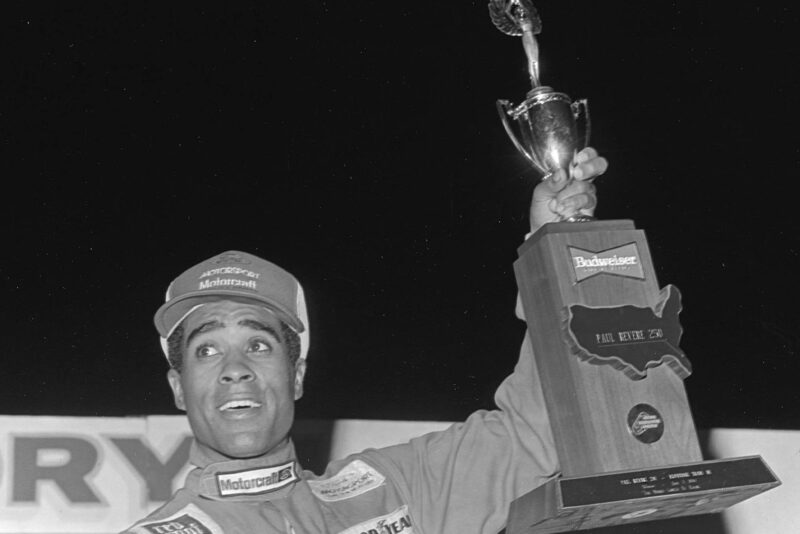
245, 446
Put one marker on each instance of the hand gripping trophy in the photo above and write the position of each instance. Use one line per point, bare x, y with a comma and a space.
606, 344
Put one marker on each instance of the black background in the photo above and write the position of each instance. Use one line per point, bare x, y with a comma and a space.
357, 145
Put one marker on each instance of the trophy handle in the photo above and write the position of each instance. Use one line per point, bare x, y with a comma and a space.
581, 107
503, 109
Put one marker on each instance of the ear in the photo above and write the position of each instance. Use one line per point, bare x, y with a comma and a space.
299, 374
174, 378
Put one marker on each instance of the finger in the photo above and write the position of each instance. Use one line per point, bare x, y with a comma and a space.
590, 169
580, 195
581, 201
573, 205
585, 155
575, 187
558, 181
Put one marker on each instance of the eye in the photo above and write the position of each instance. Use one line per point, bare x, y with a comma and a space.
206, 351
259, 346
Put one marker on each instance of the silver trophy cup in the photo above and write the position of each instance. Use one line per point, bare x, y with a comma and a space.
552, 128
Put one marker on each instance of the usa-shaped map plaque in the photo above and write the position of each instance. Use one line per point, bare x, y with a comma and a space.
629, 338
605, 340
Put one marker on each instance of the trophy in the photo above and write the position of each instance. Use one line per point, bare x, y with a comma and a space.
547, 120
606, 340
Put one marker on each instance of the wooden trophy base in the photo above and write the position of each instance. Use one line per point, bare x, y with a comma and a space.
606, 340
576, 503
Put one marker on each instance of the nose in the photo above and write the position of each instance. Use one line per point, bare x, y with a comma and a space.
236, 370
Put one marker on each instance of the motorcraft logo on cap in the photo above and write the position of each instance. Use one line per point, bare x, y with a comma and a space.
619, 261
397, 521
189, 520
256, 481
229, 274
353, 480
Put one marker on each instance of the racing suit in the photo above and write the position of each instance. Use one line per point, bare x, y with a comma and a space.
459, 480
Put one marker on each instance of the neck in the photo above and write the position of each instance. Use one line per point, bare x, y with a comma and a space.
203, 455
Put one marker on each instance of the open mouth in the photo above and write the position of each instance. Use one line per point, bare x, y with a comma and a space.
236, 405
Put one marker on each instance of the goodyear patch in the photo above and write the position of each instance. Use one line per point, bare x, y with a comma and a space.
352, 480
255, 481
394, 523
188, 520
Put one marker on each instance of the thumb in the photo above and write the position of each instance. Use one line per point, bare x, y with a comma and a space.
548, 189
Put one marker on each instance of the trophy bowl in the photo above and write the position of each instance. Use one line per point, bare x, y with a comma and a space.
549, 124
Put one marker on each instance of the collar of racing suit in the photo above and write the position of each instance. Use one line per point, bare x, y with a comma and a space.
265, 478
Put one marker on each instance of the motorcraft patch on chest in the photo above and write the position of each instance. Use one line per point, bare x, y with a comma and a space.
631, 339
256, 481
189, 520
354, 479
618, 261
397, 521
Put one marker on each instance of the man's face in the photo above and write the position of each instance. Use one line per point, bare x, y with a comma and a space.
237, 385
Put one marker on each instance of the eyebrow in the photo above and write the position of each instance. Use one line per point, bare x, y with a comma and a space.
214, 325
258, 325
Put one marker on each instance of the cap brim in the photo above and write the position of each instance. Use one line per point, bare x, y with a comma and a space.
170, 313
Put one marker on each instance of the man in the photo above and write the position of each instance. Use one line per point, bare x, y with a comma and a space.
235, 332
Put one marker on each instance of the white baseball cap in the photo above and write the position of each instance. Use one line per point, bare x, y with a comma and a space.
239, 275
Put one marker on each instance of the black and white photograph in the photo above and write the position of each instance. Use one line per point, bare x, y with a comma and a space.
516, 266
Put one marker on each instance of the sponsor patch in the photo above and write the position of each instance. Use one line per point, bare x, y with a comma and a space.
189, 520
397, 521
645, 423
354, 479
255, 481
237, 277
619, 261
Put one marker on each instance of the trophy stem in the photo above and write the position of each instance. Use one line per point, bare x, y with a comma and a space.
532, 51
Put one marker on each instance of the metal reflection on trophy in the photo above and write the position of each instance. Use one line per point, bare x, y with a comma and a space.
552, 128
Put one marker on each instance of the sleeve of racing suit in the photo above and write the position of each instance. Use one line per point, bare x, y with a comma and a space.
463, 479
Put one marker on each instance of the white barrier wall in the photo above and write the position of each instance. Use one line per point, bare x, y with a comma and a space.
98, 475
778, 510
75, 474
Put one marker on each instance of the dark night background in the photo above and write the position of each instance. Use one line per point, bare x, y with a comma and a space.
357, 145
